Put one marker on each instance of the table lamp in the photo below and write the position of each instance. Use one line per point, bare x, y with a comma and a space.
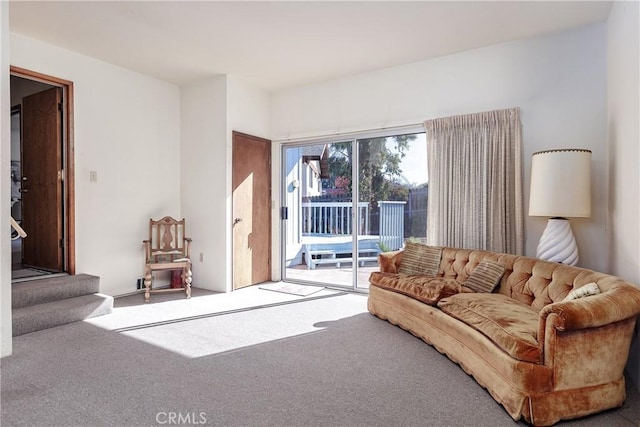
560, 189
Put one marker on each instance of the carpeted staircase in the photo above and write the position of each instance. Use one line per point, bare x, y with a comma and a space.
45, 303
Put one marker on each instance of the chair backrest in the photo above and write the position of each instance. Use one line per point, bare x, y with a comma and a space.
167, 236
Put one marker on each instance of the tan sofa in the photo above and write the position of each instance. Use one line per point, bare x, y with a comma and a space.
542, 359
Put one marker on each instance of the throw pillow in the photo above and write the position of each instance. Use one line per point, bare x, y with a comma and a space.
485, 277
389, 261
583, 291
420, 259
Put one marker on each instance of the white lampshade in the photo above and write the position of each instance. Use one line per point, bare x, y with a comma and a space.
561, 183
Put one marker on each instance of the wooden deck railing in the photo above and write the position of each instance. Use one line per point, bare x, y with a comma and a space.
336, 218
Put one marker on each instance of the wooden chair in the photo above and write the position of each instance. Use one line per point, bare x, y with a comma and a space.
167, 249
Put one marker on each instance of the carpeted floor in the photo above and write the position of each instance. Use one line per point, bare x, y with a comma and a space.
309, 362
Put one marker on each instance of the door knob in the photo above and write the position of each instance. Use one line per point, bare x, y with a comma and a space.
237, 220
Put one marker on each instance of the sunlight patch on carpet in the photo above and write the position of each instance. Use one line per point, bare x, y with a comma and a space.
235, 331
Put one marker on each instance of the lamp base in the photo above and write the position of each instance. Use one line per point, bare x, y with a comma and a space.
557, 243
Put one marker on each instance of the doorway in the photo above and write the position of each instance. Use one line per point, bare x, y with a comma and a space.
251, 199
41, 175
347, 200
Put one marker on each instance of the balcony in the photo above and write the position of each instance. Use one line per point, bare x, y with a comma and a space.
328, 228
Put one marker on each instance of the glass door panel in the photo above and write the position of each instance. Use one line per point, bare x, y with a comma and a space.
392, 184
319, 214
369, 194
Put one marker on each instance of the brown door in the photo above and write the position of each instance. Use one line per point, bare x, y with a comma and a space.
42, 180
251, 210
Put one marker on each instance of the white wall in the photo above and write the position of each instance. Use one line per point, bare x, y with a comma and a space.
5, 186
624, 138
248, 112
204, 189
248, 108
559, 81
623, 102
158, 150
127, 129
212, 109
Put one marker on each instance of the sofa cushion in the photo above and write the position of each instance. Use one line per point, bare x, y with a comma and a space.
420, 259
485, 277
428, 290
510, 324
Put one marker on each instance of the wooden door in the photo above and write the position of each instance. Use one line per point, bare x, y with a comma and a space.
42, 180
251, 210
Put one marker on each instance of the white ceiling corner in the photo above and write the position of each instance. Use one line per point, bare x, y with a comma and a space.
275, 45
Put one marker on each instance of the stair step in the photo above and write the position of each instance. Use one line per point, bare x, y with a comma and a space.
47, 315
58, 288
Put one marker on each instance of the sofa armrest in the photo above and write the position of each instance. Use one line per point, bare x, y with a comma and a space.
617, 303
390, 261
586, 341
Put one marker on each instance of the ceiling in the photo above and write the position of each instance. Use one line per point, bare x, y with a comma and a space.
276, 45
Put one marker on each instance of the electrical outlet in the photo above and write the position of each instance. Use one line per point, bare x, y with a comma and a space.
93, 176
201, 257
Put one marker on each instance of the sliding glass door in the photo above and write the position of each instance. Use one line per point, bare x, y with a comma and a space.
345, 201
319, 221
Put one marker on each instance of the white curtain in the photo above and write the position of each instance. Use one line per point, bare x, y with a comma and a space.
475, 181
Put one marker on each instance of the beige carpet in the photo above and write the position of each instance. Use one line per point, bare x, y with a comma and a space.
312, 362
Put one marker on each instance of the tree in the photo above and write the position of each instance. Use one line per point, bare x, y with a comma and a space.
379, 172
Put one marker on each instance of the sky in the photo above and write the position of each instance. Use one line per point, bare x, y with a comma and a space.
414, 164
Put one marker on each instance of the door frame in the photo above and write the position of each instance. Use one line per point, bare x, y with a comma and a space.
68, 157
235, 135
354, 138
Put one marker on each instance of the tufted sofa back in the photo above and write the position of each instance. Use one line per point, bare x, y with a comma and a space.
529, 280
